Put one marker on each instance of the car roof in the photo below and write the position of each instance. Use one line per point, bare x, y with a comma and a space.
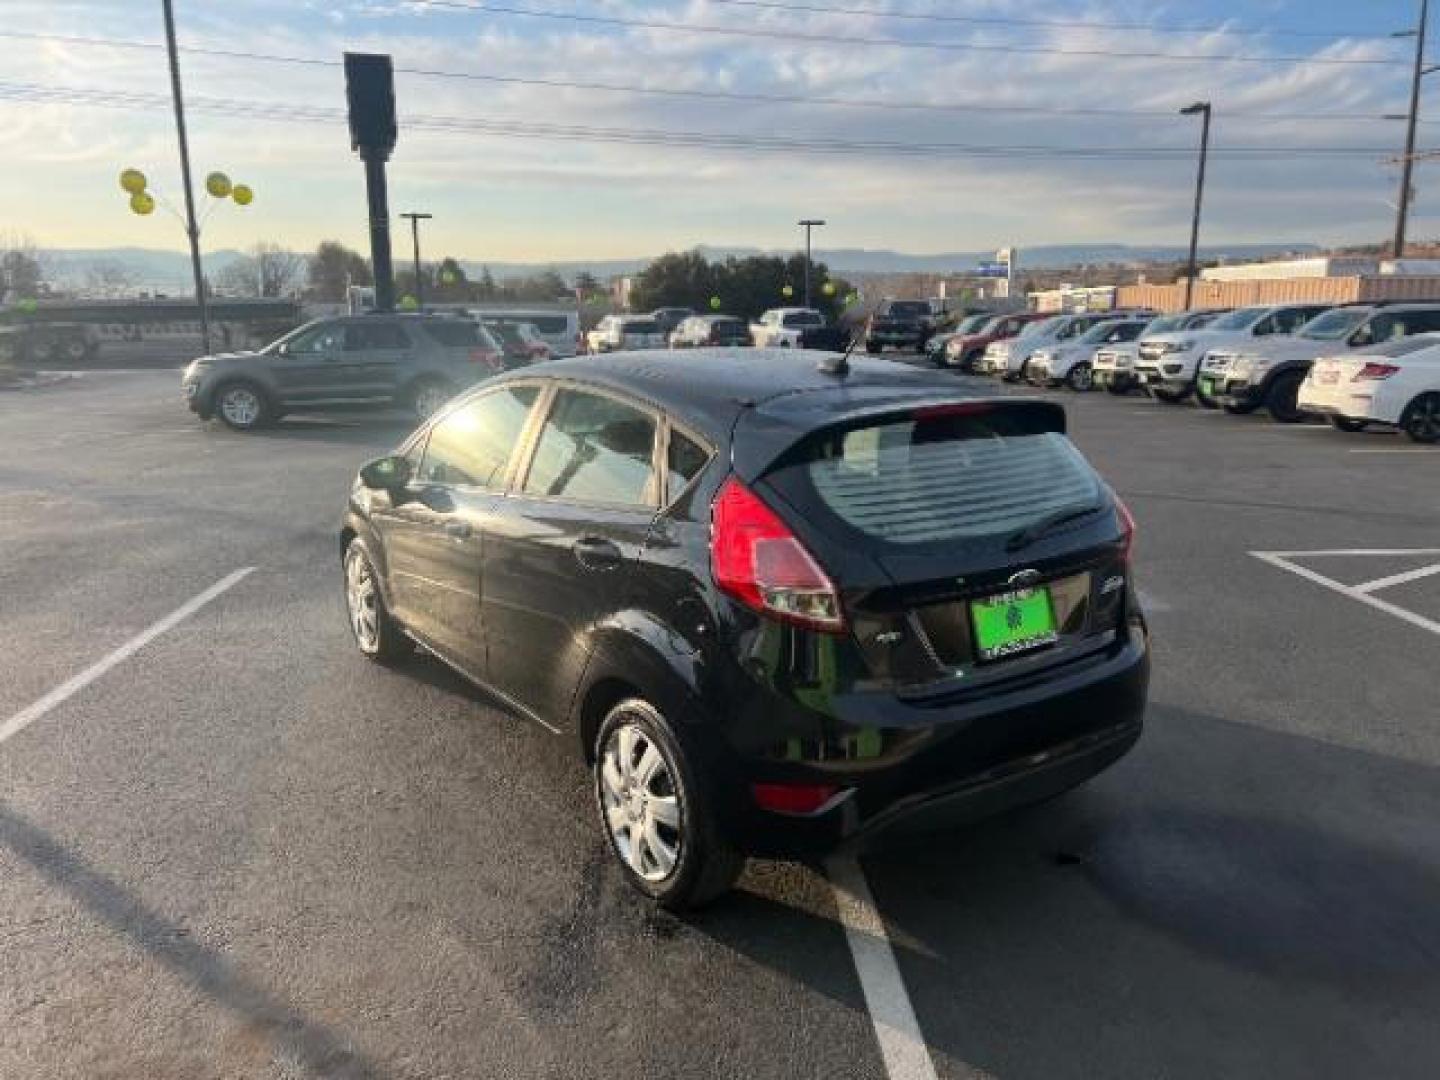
709, 390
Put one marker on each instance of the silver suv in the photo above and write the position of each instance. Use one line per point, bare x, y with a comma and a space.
417, 362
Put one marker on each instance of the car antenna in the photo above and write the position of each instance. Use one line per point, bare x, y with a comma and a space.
839, 365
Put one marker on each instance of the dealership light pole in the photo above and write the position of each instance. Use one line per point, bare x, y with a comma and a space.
415, 220
1407, 162
807, 224
1200, 108
192, 227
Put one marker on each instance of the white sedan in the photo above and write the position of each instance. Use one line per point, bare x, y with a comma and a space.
1396, 383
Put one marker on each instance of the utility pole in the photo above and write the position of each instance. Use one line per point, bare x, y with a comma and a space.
807, 224
1407, 164
1201, 108
415, 220
192, 227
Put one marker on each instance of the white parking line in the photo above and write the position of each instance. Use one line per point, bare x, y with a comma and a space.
1398, 579
902, 1047
1396, 450
1282, 559
28, 715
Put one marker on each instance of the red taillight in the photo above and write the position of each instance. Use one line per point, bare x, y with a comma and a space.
793, 798
760, 562
1127, 527
1375, 371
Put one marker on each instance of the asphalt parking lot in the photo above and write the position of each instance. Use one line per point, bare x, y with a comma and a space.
239, 850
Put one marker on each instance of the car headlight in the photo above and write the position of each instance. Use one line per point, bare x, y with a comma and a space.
1184, 345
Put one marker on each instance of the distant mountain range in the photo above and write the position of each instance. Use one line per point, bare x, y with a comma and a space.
154, 268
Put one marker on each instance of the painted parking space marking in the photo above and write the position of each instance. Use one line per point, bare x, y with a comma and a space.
1365, 592
902, 1047
72, 686
1424, 450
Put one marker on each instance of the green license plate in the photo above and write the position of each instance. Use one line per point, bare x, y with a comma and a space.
1207, 386
1013, 623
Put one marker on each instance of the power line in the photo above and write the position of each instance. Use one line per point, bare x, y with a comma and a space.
899, 43
1040, 24
527, 129
967, 108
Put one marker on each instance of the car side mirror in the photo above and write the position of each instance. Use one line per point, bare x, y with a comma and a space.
387, 473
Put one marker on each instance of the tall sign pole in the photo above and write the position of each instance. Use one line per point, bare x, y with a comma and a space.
370, 95
1200, 108
807, 225
192, 226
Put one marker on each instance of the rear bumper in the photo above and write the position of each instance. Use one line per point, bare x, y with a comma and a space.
967, 761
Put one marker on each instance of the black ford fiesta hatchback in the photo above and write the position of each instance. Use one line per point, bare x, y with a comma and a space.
779, 608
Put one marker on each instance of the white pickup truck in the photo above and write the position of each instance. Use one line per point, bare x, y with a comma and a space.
780, 328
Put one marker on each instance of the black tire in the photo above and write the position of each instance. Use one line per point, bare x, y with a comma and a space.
1239, 410
386, 643
970, 359
425, 396
1421, 419
1204, 400
705, 863
242, 405
1080, 378
1282, 401
1345, 423
1170, 397
873, 350
1119, 389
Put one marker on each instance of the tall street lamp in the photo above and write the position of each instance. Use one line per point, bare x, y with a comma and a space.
807, 224
192, 226
1200, 108
415, 220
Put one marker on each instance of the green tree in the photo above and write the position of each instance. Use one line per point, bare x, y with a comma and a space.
21, 272
746, 287
587, 284
333, 267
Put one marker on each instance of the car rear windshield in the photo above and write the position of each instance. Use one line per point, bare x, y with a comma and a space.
453, 334
941, 477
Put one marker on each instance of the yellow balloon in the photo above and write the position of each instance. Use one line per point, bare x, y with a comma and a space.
242, 195
829, 288
408, 303
133, 182
142, 203
788, 291
218, 184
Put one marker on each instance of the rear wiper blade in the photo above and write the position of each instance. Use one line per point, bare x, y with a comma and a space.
1028, 535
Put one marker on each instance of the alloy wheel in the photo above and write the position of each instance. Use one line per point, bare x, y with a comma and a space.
1423, 423
240, 406
361, 600
641, 803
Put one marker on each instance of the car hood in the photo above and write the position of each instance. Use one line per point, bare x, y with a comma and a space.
1290, 348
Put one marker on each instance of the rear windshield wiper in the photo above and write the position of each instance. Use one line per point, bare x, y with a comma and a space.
1031, 533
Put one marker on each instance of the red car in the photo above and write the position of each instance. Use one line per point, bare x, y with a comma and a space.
964, 352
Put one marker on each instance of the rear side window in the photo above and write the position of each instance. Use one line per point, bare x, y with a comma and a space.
642, 326
472, 445
594, 449
360, 337
454, 335
683, 462
946, 478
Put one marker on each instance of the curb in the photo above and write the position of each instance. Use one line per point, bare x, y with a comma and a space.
37, 382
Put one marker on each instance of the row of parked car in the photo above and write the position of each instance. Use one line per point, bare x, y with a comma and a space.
682, 328
1356, 364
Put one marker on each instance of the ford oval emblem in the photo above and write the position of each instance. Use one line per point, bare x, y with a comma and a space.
1024, 579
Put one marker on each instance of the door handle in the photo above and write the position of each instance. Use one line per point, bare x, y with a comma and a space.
597, 553
458, 530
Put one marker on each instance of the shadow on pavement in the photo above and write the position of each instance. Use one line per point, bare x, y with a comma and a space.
302, 1042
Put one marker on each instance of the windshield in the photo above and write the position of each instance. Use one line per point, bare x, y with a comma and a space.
1166, 323
291, 336
973, 324
1239, 319
1074, 328
1334, 324
907, 309
1098, 333
1039, 328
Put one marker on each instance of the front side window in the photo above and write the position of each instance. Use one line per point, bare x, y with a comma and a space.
594, 449
322, 339
472, 445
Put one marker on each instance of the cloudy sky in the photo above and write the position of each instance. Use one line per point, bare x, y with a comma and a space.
1023, 126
